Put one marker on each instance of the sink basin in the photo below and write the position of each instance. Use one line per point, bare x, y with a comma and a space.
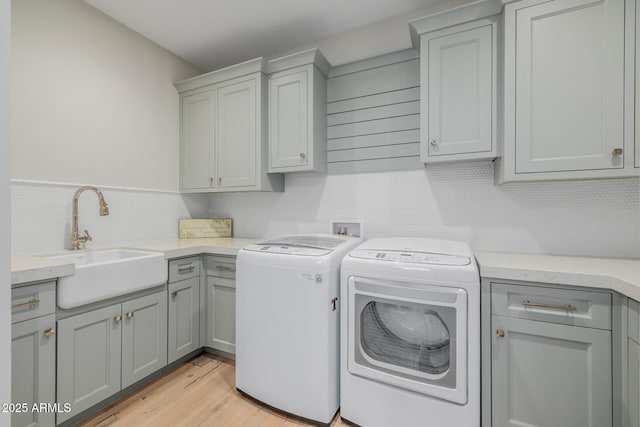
108, 273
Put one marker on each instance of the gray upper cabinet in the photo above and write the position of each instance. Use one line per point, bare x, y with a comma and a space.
298, 112
184, 307
567, 114
107, 349
223, 142
550, 357
220, 316
458, 82
33, 348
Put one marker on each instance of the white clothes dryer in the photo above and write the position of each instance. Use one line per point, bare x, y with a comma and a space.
410, 334
287, 324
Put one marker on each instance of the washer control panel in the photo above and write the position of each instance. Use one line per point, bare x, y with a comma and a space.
410, 257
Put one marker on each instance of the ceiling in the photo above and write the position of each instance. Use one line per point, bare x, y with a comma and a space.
215, 33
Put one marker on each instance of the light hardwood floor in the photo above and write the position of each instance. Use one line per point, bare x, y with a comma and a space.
200, 392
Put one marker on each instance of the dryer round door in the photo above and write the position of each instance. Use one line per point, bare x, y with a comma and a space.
409, 335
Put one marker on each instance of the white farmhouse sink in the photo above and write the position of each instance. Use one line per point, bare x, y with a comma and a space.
108, 273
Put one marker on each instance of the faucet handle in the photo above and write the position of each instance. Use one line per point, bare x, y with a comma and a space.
87, 237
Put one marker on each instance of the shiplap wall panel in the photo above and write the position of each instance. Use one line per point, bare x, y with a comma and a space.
373, 153
363, 141
401, 75
387, 98
374, 113
373, 117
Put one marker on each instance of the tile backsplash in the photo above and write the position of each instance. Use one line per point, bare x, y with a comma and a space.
41, 215
453, 201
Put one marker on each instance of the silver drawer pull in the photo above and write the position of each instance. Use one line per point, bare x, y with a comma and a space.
566, 307
25, 304
225, 268
185, 270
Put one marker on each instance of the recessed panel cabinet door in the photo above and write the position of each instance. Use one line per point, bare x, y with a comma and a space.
184, 318
221, 314
88, 359
197, 142
144, 337
569, 84
288, 120
236, 134
33, 369
546, 374
634, 384
460, 93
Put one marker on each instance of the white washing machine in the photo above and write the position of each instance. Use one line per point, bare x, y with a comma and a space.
287, 324
410, 334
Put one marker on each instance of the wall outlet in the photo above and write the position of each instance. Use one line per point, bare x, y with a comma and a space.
347, 227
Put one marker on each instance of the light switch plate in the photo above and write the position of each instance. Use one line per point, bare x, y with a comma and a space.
347, 227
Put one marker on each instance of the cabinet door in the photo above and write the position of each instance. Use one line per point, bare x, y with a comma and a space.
197, 141
221, 314
237, 134
633, 404
458, 105
89, 353
569, 85
33, 369
288, 120
550, 375
184, 318
144, 337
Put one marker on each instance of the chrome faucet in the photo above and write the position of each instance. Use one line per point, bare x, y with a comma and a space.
76, 238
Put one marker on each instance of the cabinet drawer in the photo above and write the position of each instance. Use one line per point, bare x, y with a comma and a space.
29, 302
221, 266
634, 320
570, 307
184, 268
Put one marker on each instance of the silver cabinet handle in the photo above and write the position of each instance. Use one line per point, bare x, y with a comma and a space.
184, 270
225, 268
434, 142
26, 304
49, 332
617, 152
130, 315
302, 155
219, 180
117, 319
174, 294
566, 307
500, 333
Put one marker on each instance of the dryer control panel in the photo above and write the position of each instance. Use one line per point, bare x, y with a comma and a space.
410, 257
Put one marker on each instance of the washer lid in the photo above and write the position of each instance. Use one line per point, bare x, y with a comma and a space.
410, 257
309, 245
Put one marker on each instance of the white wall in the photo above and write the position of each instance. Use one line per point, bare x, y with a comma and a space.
92, 101
5, 220
376, 39
456, 201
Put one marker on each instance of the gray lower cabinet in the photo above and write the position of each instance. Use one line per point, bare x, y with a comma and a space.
634, 384
550, 356
184, 317
107, 349
221, 304
33, 348
633, 353
550, 374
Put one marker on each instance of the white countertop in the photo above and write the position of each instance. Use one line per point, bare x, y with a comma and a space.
31, 268
621, 275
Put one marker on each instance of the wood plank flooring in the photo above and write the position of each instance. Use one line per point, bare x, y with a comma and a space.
200, 392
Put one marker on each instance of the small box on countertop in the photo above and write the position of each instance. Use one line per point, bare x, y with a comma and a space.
198, 228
